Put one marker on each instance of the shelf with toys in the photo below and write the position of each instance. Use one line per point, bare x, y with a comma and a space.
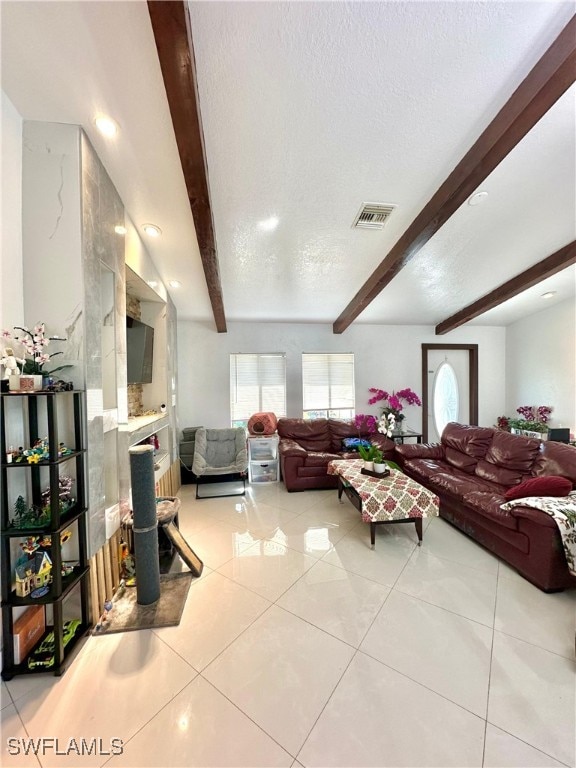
43, 525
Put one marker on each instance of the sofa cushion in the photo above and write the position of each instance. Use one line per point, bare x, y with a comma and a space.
320, 458
311, 434
513, 451
499, 475
458, 483
340, 429
470, 440
489, 506
552, 485
460, 460
556, 459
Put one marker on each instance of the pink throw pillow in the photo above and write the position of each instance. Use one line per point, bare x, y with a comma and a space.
549, 485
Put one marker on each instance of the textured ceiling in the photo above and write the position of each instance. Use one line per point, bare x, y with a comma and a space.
310, 109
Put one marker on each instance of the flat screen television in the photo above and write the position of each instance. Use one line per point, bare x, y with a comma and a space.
140, 351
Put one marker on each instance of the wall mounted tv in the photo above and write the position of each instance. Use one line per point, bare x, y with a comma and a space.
140, 351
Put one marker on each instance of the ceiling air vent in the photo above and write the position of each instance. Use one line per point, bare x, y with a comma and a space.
373, 215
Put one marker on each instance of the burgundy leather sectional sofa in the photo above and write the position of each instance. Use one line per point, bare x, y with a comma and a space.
471, 470
308, 445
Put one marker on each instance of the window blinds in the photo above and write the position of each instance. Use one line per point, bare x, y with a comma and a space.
257, 383
327, 381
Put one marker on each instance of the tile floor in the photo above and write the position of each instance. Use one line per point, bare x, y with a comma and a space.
301, 646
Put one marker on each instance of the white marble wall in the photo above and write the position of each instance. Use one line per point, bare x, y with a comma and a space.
102, 210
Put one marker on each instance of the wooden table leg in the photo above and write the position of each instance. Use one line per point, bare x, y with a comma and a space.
418, 524
340, 489
373, 535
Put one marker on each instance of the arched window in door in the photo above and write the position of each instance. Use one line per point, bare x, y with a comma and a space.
445, 397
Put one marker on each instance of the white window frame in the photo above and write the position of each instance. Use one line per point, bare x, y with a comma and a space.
249, 371
333, 372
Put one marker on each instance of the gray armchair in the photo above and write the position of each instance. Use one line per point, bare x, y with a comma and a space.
220, 452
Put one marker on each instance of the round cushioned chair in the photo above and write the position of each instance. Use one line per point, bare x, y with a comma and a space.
220, 452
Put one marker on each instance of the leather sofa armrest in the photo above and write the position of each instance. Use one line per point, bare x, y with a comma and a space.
384, 443
534, 515
289, 447
420, 451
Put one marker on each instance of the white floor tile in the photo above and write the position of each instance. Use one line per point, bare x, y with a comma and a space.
443, 651
525, 612
5, 698
466, 591
200, 727
504, 751
377, 717
118, 683
443, 540
336, 601
216, 612
280, 672
218, 543
331, 512
267, 568
15, 749
297, 502
382, 564
532, 696
311, 538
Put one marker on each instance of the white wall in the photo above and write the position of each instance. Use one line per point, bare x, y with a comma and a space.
541, 363
388, 357
11, 278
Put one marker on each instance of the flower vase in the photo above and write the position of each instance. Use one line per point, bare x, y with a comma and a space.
30, 383
380, 468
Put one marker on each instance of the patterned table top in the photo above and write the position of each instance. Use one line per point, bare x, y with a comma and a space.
395, 497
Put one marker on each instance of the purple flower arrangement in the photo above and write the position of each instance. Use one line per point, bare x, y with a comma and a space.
392, 401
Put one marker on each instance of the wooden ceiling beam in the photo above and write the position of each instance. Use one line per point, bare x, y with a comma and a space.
541, 88
558, 261
171, 28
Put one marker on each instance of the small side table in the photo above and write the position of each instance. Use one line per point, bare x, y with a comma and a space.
402, 436
263, 463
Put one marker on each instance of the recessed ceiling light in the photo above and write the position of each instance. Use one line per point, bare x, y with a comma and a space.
152, 283
152, 230
119, 229
269, 224
106, 126
478, 198
174, 284
548, 294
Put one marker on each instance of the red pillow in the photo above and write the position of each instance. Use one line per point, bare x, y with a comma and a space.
549, 485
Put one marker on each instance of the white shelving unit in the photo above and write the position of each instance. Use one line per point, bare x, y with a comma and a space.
263, 464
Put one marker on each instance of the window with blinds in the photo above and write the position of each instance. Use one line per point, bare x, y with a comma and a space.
328, 386
257, 383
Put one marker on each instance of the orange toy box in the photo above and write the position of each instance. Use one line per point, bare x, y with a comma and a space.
28, 629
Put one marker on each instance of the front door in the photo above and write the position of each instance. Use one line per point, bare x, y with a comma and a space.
450, 384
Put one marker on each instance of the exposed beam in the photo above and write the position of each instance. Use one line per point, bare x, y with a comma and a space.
171, 27
547, 81
545, 268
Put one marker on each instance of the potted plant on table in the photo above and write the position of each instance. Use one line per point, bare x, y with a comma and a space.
368, 453
35, 357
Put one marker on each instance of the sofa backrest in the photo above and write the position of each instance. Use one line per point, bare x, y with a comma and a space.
311, 434
341, 428
556, 459
509, 458
465, 444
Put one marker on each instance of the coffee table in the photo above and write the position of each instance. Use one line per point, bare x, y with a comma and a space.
395, 498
